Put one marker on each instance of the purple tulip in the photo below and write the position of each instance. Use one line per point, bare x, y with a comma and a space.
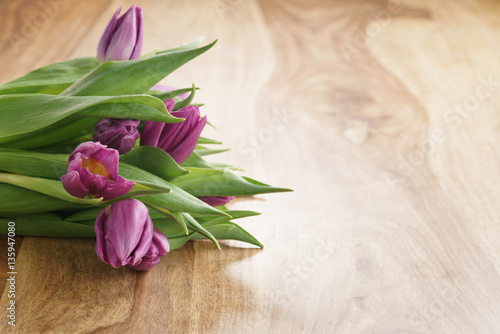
93, 171
122, 38
217, 200
159, 248
120, 134
177, 139
124, 233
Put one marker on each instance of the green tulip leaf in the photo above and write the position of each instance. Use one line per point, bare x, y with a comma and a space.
51, 79
19, 201
47, 187
230, 231
56, 134
170, 94
187, 100
22, 114
34, 227
196, 160
33, 164
186, 46
154, 160
204, 140
132, 76
178, 200
221, 182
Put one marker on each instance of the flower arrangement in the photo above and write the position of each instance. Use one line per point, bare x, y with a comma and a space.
94, 148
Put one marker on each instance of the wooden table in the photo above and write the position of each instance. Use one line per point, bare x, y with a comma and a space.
384, 118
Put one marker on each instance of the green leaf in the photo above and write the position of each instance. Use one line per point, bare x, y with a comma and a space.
18, 201
221, 182
83, 215
154, 160
132, 76
186, 46
204, 140
230, 231
51, 79
33, 164
175, 216
235, 214
192, 224
47, 187
178, 242
142, 188
187, 100
178, 200
47, 228
207, 151
171, 94
55, 134
196, 160
22, 114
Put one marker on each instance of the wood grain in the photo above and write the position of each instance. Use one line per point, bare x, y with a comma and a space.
383, 116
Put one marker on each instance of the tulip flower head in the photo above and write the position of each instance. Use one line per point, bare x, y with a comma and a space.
120, 134
122, 38
124, 233
159, 248
93, 172
217, 200
177, 139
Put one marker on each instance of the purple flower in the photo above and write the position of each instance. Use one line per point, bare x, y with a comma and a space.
159, 248
177, 139
124, 233
93, 170
216, 200
122, 38
120, 134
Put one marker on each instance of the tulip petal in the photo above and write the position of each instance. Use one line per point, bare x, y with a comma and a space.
108, 161
124, 228
106, 37
216, 200
146, 264
100, 234
161, 242
117, 188
123, 40
151, 133
116, 133
73, 185
138, 44
169, 104
184, 149
145, 243
95, 183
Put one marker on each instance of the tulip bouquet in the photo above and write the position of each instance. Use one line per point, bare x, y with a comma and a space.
95, 148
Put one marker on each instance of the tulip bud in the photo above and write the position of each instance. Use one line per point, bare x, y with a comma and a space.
93, 171
119, 134
124, 233
159, 248
217, 200
122, 38
177, 139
